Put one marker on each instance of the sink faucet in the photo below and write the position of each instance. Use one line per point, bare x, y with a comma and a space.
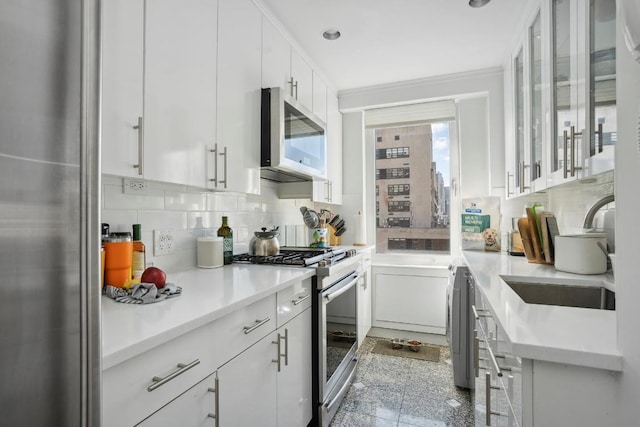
588, 219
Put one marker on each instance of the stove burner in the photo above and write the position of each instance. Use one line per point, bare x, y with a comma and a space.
301, 257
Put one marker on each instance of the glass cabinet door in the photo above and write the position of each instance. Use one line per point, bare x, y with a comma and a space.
564, 84
602, 78
519, 122
535, 90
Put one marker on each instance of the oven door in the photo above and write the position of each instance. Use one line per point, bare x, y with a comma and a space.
338, 340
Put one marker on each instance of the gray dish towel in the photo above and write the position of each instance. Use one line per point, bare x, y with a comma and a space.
142, 293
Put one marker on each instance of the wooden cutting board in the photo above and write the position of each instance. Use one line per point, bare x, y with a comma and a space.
523, 227
534, 236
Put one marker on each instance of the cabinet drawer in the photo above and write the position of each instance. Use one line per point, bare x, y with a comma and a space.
243, 328
293, 301
196, 407
130, 393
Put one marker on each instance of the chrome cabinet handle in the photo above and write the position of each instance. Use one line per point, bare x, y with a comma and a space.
476, 353
522, 175
487, 390
538, 169
300, 299
277, 359
291, 86
494, 362
182, 368
331, 191
565, 138
215, 390
296, 87
215, 165
284, 337
510, 394
249, 329
478, 313
140, 128
600, 136
286, 347
574, 168
326, 193
224, 153
509, 192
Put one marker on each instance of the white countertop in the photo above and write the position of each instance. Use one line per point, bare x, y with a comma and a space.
207, 295
576, 336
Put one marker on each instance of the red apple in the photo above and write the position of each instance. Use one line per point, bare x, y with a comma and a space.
154, 275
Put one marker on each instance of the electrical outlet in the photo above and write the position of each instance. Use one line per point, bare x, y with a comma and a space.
163, 242
134, 186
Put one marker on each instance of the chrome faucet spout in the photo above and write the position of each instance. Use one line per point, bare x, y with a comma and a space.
588, 219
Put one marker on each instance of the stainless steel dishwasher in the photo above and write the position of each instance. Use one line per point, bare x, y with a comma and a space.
460, 324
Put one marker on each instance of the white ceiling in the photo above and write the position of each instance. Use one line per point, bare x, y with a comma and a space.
386, 41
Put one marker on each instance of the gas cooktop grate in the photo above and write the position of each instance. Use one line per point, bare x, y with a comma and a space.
302, 257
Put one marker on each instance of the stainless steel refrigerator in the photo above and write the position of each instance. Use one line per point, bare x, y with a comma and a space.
49, 213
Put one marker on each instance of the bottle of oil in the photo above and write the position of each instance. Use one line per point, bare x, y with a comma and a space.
227, 243
139, 256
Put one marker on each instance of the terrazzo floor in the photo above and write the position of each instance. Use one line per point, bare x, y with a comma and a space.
398, 391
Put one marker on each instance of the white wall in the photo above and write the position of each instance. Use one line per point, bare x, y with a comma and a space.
458, 86
192, 213
627, 177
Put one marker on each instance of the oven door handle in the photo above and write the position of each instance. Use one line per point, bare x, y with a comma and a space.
341, 287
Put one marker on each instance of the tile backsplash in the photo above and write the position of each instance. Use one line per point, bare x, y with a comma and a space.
190, 213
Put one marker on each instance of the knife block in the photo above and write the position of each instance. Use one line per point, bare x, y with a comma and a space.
333, 239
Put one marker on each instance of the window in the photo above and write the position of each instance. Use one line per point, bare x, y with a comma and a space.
379, 139
402, 206
412, 215
392, 153
396, 190
392, 173
404, 222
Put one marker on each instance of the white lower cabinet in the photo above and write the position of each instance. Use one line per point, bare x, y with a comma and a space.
532, 393
364, 297
294, 377
246, 386
249, 368
193, 408
410, 299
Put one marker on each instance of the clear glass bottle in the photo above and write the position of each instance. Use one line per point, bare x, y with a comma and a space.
139, 261
227, 243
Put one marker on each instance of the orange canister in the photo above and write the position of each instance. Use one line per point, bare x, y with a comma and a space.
118, 259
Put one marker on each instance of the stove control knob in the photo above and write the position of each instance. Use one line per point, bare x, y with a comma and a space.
323, 263
350, 253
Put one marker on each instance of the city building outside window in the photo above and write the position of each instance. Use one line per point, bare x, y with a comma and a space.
412, 188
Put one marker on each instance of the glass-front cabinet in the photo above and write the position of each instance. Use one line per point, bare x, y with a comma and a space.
563, 95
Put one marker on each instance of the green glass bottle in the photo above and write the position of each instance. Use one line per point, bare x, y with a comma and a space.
227, 241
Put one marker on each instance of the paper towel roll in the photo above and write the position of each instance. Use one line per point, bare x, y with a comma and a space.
360, 230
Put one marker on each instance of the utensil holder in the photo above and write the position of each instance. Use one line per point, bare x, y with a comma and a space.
333, 239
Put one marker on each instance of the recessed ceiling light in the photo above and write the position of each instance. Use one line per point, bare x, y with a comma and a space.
478, 3
331, 34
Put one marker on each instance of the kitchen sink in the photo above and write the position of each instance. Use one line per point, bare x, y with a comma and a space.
533, 291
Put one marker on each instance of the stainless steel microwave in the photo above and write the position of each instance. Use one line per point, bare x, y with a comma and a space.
293, 140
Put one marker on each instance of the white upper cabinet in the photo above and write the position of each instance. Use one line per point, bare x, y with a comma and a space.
158, 57
235, 162
330, 190
319, 97
561, 81
180, 89
122, 85
276, 57
302, 77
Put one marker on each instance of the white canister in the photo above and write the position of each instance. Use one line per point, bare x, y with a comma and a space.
579, 253
210, 252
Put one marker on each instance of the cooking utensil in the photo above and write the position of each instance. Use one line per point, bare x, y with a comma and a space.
580, 253
265, 243
310, 218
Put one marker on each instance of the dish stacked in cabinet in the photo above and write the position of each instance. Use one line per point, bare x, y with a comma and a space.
498, 384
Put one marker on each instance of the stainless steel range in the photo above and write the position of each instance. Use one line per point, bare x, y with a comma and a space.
334, 325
